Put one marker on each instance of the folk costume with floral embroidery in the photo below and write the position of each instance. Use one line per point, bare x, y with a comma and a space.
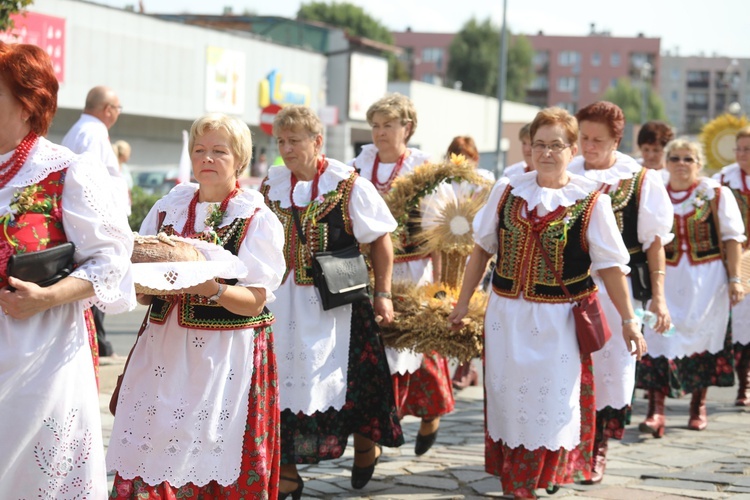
198, 408
51, 425
643, 213
699, 353
333, 374
539, 393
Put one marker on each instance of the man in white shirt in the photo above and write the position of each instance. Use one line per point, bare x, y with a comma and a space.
90, 134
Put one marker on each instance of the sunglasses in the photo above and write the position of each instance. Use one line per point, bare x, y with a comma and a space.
686, 159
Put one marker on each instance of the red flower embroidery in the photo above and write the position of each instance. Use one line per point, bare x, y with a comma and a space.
5, 252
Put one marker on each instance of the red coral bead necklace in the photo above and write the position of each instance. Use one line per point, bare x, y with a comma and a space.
190, 222
10, 168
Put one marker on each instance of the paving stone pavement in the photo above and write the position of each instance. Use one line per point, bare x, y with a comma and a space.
711, 464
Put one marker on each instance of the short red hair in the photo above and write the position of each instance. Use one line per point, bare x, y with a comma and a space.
28, 73
606, 113
464, 145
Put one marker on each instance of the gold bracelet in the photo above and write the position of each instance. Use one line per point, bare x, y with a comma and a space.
658, 271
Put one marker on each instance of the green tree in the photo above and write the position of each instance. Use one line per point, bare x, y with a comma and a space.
9, 7
474, 60
356, 21
141, 203
630, 99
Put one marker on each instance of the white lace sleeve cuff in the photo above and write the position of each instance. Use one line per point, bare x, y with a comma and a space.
100, 232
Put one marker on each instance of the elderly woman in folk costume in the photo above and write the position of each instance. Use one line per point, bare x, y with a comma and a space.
50, 198
737, 178
644, 217
698, 292
422, 382
197, 414
539, 400
333, 372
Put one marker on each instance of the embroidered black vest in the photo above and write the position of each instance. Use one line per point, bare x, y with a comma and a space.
520, 264
199, 312
326, 225
698, 231
625, 202
743, 201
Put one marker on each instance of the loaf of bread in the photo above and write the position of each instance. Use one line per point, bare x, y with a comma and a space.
163, 248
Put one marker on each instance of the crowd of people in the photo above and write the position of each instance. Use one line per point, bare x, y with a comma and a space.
234, 382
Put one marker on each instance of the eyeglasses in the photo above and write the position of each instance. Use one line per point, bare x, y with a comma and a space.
742, 150
687, 159
555, 147
118, 107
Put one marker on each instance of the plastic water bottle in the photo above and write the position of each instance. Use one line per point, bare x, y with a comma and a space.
649, 318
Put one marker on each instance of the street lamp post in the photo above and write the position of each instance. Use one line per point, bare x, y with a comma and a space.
645, 79
501, 90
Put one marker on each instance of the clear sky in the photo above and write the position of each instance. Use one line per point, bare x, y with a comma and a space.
686, 27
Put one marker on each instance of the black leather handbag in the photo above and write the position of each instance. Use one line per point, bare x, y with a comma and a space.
45, 267
339, 275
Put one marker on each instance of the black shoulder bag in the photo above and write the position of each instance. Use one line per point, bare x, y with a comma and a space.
339, 275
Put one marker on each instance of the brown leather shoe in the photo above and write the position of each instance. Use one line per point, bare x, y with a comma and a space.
655, 420
598, 461
743, 377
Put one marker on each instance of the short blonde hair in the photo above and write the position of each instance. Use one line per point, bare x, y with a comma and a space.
743, 132
685, 143
297, 118
240, 138
121, 149
395, 107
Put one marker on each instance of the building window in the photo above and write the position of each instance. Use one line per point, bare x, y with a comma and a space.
432, 78
614, 59
568, 58
696, 100
596, 59
567, 84
541, 82
613, 82
541, 60
433, 55
675, 74
675, 95
698, 79
594, 85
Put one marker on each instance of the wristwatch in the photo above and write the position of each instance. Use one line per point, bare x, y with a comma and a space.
216, 296
383, 295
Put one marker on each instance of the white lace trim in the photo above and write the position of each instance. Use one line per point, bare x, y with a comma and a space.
280, 183
177, 201
624, 168
366, 160
44, 158
525, 186
732, 176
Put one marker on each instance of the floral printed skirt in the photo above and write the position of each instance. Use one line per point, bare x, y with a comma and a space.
259, 472
522, 471
675, 377
428, 392
369, 410
611, 422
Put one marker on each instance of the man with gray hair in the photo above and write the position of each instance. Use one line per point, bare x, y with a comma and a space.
90, 134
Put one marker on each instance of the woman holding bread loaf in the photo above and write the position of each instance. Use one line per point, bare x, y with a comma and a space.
333, 374
197, 414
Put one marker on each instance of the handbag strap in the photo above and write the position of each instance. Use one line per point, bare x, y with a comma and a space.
551, 266
714, 204
140, 332
298, 225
